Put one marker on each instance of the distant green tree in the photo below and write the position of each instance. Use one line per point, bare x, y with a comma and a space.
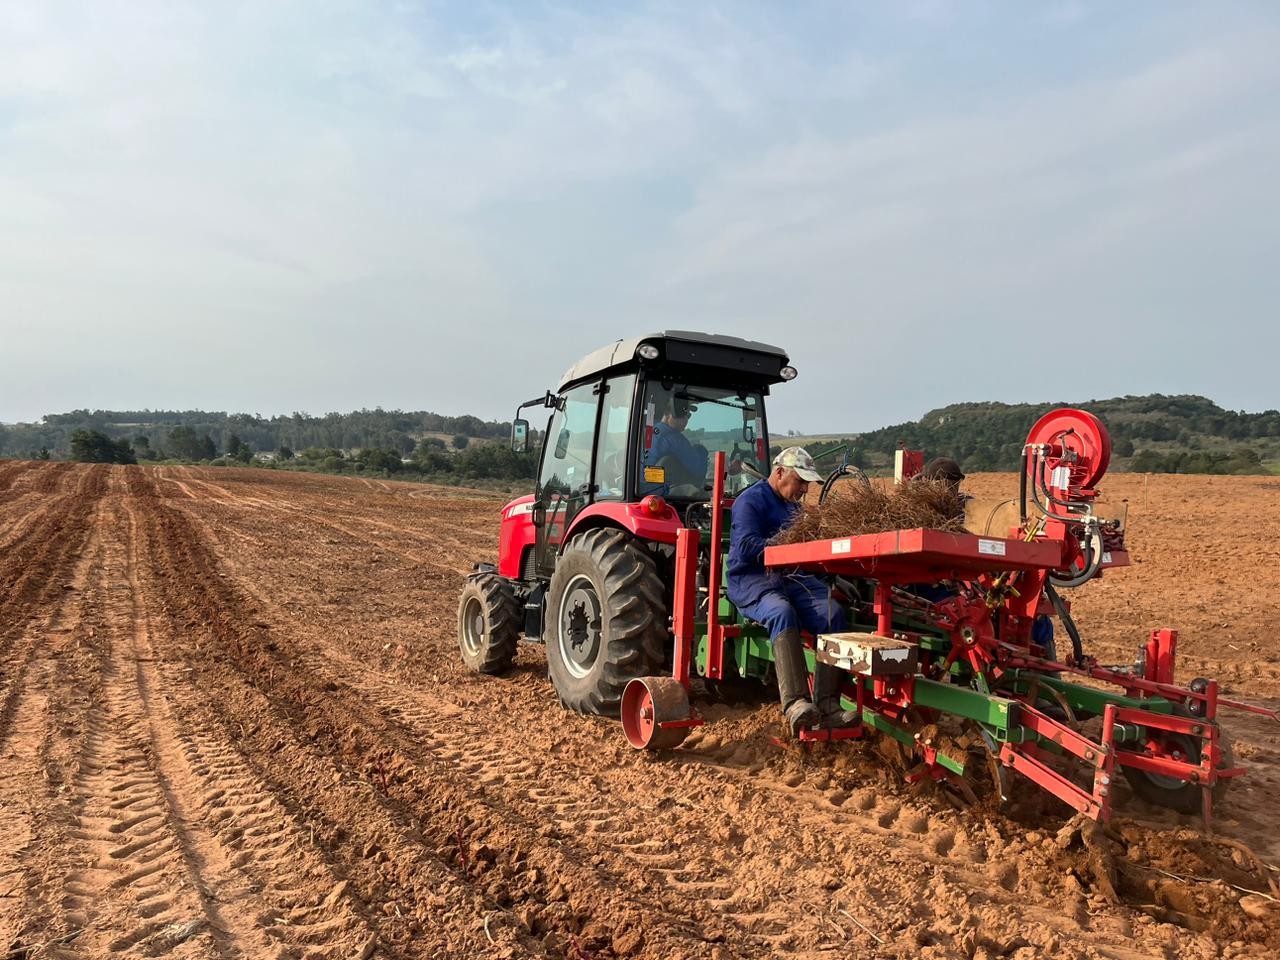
460, 442
237, 449
186, 444
284, 453
430, 459
90, 446
372, 458
43, 454
1123, 447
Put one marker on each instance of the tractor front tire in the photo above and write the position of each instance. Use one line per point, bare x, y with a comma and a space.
488, 624
606, 620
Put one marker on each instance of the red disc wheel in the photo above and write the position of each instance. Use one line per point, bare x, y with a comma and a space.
1081, 433
647, 703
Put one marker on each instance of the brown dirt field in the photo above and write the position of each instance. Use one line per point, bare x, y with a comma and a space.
233, 723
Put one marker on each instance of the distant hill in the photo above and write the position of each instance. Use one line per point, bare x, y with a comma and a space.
1154, 433
395, 430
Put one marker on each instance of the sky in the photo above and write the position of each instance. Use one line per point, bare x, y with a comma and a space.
320, 206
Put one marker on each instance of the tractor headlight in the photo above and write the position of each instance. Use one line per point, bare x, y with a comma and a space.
788, 373
647, 351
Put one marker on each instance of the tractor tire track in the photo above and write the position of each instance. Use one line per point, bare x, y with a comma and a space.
34, 571
415, 796
550, 790
44, 706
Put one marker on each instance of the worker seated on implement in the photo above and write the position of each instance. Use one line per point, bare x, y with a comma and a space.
683, 464
785, 603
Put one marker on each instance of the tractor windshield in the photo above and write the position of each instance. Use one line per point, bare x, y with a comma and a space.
685, 425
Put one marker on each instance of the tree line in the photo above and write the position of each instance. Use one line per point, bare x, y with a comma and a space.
1153, 433
385, 429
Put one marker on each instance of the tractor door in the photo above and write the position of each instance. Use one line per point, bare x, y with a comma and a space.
564, 481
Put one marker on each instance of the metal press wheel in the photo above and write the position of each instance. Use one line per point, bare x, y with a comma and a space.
647, 702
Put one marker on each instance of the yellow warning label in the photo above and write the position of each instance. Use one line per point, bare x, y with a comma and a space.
655, 475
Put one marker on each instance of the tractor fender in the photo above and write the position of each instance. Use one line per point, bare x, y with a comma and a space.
632, 517
517, 534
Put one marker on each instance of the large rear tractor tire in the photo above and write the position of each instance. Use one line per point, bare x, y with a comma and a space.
488, 624
606, 620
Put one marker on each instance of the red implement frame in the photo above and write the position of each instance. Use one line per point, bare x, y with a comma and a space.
912, 556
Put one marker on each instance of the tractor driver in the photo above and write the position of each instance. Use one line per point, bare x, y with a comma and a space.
685, 461
785, 603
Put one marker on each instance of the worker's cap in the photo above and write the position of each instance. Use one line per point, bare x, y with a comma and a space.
942, 468
798, 459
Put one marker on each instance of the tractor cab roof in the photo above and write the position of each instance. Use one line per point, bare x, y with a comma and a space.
684, 352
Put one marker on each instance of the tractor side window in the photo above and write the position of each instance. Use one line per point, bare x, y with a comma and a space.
611, 448
566, 465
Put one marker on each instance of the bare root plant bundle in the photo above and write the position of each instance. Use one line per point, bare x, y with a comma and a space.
853, 509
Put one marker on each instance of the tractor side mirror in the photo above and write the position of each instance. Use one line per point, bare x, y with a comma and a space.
562, 443
519, 436
749, 424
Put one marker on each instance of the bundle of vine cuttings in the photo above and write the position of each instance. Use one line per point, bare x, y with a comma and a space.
854, 508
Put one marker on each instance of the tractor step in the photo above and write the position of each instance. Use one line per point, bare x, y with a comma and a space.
868, 654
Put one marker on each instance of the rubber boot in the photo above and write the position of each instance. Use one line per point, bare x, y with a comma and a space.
793, 681
826, 697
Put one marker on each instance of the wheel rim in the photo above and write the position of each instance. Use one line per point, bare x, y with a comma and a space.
578, 636
1175, 748
473, 625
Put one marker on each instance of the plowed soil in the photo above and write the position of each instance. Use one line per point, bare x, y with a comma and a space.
233, 723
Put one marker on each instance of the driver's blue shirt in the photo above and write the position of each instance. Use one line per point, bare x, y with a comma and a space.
758, 514
670, 442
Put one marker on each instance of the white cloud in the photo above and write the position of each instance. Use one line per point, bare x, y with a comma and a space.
365, 190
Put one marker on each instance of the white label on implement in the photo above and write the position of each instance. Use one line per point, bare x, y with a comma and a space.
992, 548
841, 546
1106, 556
894, 654
1061, 478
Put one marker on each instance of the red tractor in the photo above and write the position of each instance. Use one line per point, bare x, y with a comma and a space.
586, 562
616, 563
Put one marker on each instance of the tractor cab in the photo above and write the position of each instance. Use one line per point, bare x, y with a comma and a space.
632, 436
585, 562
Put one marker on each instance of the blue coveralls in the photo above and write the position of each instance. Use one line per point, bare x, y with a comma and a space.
670, 442
780, 601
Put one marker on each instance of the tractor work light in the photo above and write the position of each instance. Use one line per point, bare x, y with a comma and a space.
647, 351
788, 373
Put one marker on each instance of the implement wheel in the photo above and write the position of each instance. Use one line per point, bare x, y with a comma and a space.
648, 702
1171, 792
488, 624
606, 620
986, 779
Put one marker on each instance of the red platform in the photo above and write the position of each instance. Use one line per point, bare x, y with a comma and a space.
918, 554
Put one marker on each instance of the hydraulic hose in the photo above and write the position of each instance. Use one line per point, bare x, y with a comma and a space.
1092, 557
1022, 493
844, 470
1077, 649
